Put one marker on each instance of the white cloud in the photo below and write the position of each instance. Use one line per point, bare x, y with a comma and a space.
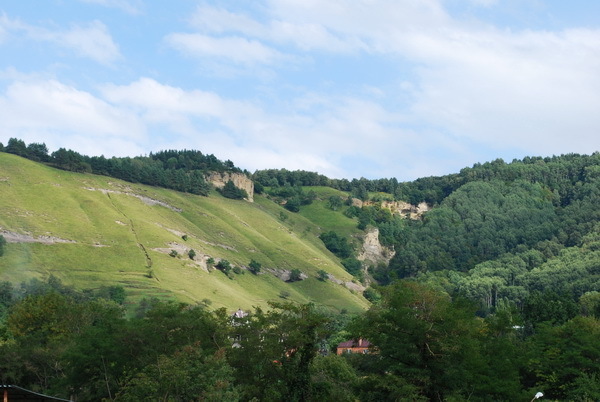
63, 116
509, 89
234, 48
90, 40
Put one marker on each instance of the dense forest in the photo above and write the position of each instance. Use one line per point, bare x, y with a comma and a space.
497, 233
428, 346
493, 294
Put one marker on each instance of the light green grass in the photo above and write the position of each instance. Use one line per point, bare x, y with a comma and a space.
110, 230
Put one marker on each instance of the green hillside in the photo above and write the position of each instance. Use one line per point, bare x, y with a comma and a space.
90, 231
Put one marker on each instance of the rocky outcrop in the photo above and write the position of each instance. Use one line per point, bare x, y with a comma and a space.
239, 179
399, 207
372, 251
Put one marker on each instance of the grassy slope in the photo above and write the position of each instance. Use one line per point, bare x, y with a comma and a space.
114, 231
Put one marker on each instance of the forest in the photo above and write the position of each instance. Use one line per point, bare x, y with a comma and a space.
177, 170
427, 346
493, 294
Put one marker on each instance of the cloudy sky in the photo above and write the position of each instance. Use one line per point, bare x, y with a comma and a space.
347, 88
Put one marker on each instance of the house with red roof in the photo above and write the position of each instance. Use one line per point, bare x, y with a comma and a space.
354, 346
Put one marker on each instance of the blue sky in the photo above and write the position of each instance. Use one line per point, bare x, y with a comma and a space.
355, 88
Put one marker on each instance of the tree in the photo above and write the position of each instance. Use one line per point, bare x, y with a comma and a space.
38, 152
276, 350
563, 360
295, 275
322, 275
427, 344
293, 204
192, 254
230, 190
337, 244
335, 202
254, 267
224, 266
17, 147
189, 374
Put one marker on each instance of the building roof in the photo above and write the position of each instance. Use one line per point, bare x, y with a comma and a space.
355, 343
16, 393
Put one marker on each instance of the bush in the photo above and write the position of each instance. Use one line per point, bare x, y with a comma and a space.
322, 275
295, 275
254, 267
224, 266
192, 254
237, 270
173, 253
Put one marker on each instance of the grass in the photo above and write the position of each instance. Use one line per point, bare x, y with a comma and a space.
117, 236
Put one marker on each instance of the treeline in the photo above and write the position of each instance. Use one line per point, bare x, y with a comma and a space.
425, 346
558, 173
177, 170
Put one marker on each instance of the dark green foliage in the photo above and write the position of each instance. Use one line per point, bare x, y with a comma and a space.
178, 170
230, 190
338, 245
254, 267
354, 267
192, 254
549, 307
2, 245
188, 374
174, 253
372, 295
335, 202
16, 146
293, 204
291, 197
295, 275
322, 275
289, 336
429, 348
70, 160
563, 360
224, 266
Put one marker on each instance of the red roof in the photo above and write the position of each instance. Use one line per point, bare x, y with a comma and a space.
355, 343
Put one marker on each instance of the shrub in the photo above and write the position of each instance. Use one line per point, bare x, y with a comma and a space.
295, 275
173, 253
224, 266
322, 275
254, 267
192, 254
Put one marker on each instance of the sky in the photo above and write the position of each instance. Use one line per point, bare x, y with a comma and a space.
346, 88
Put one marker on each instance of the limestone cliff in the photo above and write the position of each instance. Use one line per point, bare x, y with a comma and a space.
401, 208
239, 179
373, 252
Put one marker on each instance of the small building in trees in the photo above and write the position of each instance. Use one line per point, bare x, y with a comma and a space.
359, 345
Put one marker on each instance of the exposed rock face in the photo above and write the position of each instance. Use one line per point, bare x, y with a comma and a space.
404, 208
239, 179
372, 251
